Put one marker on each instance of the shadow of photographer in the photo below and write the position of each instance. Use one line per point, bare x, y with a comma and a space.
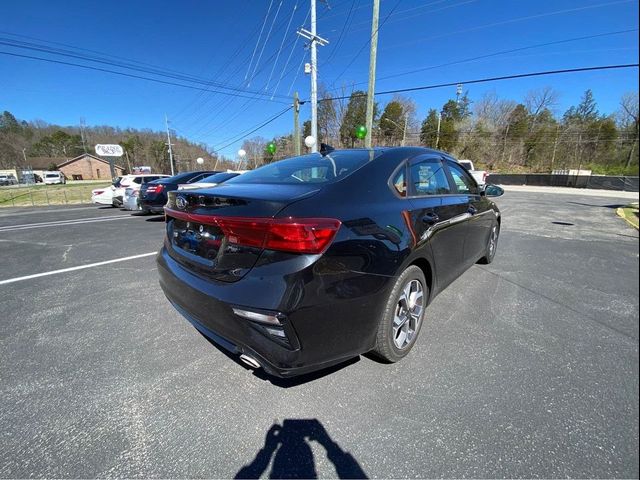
289, 446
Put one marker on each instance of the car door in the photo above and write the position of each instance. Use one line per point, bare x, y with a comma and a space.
479, 220
436, 215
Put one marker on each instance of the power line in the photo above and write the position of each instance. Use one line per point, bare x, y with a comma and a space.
126, 66
264, 44
501, 52
259, 37
507, 22
490, 79
115, 72
286, 31
253, 129
368, 41
286, 64
223, 103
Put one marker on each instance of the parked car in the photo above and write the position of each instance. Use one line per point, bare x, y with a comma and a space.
104, 195
8, 179
210, 181
53, 178
306, 262
133, 181
153, 195
480, 176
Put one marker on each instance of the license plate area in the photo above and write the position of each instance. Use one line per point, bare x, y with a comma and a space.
197, 241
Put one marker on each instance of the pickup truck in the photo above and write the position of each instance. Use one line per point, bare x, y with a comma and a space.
479, 175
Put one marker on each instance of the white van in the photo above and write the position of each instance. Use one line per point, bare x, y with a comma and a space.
50, 178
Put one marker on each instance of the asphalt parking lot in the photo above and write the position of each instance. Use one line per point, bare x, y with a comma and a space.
527, 367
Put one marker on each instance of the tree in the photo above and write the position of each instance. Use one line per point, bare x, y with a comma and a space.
585, 112
354, 116
327, 118
628, 115
255, 148
429, 129
392, 122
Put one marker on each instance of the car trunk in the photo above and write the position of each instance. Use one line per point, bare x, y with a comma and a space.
220, 233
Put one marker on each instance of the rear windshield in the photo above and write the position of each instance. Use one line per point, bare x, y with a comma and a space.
52, 175
307, 169
217, 178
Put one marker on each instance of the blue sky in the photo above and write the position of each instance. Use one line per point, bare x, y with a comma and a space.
215, 40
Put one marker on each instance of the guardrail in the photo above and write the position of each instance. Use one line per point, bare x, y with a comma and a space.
601, 182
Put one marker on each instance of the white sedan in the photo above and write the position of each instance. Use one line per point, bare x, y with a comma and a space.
103, 196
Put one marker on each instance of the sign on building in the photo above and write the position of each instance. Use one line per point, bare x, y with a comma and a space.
109, 150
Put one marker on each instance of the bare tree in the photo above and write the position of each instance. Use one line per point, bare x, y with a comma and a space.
628, 118
538, 100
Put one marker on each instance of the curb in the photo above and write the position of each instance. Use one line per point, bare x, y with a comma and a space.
620, 213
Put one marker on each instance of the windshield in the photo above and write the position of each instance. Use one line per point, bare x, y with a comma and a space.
218, 177
313, 168
52, 175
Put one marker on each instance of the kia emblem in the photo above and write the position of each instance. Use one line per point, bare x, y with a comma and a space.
181, 202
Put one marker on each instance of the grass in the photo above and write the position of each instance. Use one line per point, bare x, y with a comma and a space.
630, 214
39, 195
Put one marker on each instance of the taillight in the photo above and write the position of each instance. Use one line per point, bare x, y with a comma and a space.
155, 188
98, 192
298, 235
484, 176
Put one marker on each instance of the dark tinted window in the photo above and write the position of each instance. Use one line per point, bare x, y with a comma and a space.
464, 182
313, 168
429, 178
218, 178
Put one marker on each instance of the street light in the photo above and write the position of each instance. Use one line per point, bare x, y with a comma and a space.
199, 160
404, 129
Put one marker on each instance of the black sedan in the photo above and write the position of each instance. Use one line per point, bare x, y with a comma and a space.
312, 260
153, 195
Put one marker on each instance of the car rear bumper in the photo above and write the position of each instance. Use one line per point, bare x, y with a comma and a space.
153, 205
320, 336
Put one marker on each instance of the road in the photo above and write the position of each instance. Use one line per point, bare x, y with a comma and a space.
527, 367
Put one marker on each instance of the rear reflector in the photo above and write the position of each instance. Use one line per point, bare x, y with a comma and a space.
298, 235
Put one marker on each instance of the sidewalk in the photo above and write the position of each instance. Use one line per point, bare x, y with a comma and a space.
585, 192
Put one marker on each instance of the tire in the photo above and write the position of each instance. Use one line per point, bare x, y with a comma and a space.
393, 342
492, 245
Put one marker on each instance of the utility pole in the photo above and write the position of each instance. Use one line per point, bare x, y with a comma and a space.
372, 72
296, 123
555, 147
166, 122
82, 125
438, 132
404, 131
315, 39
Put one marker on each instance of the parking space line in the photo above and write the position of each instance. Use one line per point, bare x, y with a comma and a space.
75, 221
73, 269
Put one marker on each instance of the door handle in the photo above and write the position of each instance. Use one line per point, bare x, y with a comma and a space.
430, 219
472, 210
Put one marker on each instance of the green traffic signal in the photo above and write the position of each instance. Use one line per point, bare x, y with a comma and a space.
271, 148
361, 131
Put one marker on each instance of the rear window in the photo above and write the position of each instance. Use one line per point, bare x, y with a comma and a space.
307, 169
217, 178
52, 175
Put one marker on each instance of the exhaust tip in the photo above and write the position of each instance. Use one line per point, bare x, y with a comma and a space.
247, 360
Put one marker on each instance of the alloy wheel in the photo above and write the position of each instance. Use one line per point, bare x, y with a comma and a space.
408, 314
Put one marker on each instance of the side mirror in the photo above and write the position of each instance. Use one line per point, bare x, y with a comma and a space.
493, 191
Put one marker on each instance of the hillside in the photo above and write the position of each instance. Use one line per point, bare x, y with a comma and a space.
20, 139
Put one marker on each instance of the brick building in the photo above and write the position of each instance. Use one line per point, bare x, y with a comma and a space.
88, 167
